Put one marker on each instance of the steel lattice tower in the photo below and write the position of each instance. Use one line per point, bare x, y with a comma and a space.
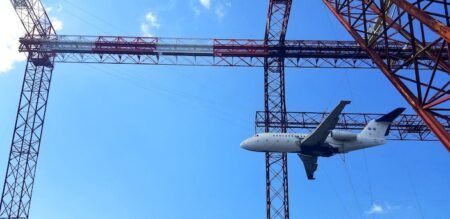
277, 196
373, 23
24, 153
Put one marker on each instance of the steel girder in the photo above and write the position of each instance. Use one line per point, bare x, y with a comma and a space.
419, 24
406, 127
277, 195
213, 52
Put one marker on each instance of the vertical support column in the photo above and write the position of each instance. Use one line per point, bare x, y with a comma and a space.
23, 157
277, 197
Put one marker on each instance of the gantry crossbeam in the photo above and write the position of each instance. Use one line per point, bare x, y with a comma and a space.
213, 52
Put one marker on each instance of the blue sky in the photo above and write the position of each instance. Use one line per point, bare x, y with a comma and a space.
163, 141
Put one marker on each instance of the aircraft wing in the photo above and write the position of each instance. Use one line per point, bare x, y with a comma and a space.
310, 163
320, 134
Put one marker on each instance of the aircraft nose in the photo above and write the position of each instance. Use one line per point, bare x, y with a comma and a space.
244, 144
248, 144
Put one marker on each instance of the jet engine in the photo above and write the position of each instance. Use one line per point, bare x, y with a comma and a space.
343, 135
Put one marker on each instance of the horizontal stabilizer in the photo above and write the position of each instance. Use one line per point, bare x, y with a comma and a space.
391, 116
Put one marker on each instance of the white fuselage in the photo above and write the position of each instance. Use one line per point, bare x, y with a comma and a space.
291, 143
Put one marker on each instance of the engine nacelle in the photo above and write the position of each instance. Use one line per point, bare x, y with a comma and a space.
343, 135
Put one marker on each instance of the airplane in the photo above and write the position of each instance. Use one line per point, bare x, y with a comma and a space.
324, 141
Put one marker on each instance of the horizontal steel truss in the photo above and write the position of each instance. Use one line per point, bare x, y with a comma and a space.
215, 52
405, 127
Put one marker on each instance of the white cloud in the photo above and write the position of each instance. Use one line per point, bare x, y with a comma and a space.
376, 209
381, 209
221, 9
220, 12
49, 9
13, 30
59, 8
150, 24
206, 3
9, 38
57, 24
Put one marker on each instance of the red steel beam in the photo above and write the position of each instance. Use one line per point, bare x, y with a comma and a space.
404, 33
433, 24
427, 116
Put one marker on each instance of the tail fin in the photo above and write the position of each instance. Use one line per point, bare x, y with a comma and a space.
379, 128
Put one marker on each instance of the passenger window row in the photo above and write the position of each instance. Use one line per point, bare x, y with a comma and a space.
283, 135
